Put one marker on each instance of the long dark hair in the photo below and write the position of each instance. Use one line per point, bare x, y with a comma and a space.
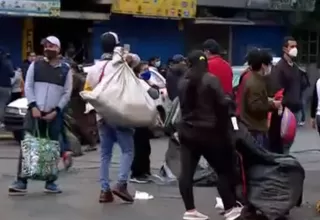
198, 64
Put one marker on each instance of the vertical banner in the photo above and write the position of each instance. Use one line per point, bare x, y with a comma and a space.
27, 37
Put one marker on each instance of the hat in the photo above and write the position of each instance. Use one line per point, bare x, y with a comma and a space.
110, 33
178, 58
53, 40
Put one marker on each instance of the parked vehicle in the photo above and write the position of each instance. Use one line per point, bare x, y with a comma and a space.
16, 110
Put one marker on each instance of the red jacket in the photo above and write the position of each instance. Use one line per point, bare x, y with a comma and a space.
221, 69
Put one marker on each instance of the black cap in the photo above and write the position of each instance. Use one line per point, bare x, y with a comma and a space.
212, 46
109, 41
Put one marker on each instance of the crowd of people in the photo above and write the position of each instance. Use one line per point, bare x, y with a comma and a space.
203, 83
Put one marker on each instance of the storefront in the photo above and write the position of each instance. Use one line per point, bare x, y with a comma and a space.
11, 37
146, 37
246, 37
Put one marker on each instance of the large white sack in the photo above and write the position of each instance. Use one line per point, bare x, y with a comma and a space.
121, 98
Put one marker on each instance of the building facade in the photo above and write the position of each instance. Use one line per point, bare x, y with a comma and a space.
237, 25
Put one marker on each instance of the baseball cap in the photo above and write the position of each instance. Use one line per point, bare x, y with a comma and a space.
178, 58
53, 40
111, 34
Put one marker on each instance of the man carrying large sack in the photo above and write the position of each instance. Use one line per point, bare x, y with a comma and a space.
109, 134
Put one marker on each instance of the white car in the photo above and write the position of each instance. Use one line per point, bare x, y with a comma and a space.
16, 110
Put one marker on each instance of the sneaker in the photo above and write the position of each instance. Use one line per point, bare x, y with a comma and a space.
220, 207
233, 213
121, 191
194, 215
141, 180
17, 188
301, 123
67, 160
106, 197
52, 188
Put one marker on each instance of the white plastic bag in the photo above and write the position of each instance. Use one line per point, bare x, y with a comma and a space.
121, 98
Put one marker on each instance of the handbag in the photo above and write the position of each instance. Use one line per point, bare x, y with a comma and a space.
40, 156
121, 98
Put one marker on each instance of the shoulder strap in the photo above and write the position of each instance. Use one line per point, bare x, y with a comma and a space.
102, 73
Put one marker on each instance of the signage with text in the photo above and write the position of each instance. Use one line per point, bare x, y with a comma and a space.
42, 8
156, 8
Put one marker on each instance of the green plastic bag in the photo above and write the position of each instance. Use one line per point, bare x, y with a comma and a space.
40, 157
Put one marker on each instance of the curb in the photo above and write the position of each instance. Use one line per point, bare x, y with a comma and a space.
6, 136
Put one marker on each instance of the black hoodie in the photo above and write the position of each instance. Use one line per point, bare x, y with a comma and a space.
174, 75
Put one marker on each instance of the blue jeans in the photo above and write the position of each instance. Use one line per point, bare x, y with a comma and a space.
64, 142
109, 135
261, 138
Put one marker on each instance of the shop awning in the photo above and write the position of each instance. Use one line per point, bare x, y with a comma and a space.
233, 21
84, 15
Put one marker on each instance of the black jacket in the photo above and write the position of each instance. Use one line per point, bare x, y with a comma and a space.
24, 68
174, 75
6, 71
207, 112
293, 80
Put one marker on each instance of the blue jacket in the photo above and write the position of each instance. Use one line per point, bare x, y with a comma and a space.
6, 72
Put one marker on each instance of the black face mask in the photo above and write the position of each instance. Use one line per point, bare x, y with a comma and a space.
50, 54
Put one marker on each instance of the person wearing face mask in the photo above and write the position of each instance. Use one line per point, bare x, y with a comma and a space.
286, 76
155, 62
255, 101
140, 168
48, 88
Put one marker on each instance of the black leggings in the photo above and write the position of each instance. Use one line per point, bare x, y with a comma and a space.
220, 158
142, 150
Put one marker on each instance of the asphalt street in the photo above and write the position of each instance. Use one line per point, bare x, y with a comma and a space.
81, 189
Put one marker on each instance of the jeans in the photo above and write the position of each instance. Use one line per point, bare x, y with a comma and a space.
51, 129
261, 138
64, 142
109, 135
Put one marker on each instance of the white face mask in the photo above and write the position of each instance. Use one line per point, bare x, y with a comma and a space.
293, 52
268, 72
158, 63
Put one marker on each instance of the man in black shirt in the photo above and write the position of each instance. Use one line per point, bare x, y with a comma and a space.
288, 76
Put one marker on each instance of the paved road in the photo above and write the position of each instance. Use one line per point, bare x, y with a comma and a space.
81, 189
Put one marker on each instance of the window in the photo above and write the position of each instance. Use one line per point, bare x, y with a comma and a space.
308, 44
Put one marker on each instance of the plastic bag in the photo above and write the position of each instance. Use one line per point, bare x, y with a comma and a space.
288, 126
274, 181
40, 157
172, 117
121, 98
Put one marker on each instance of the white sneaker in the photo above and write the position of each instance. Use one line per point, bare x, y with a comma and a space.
194, 215
219, 205
233, 213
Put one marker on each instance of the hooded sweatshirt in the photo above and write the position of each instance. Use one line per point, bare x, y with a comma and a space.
176, 72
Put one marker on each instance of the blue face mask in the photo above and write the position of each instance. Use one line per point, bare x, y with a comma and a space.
145, 75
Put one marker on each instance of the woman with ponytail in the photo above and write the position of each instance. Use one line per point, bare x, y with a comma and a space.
204, 131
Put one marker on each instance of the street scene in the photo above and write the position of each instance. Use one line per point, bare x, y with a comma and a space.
164, 109
80, 184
